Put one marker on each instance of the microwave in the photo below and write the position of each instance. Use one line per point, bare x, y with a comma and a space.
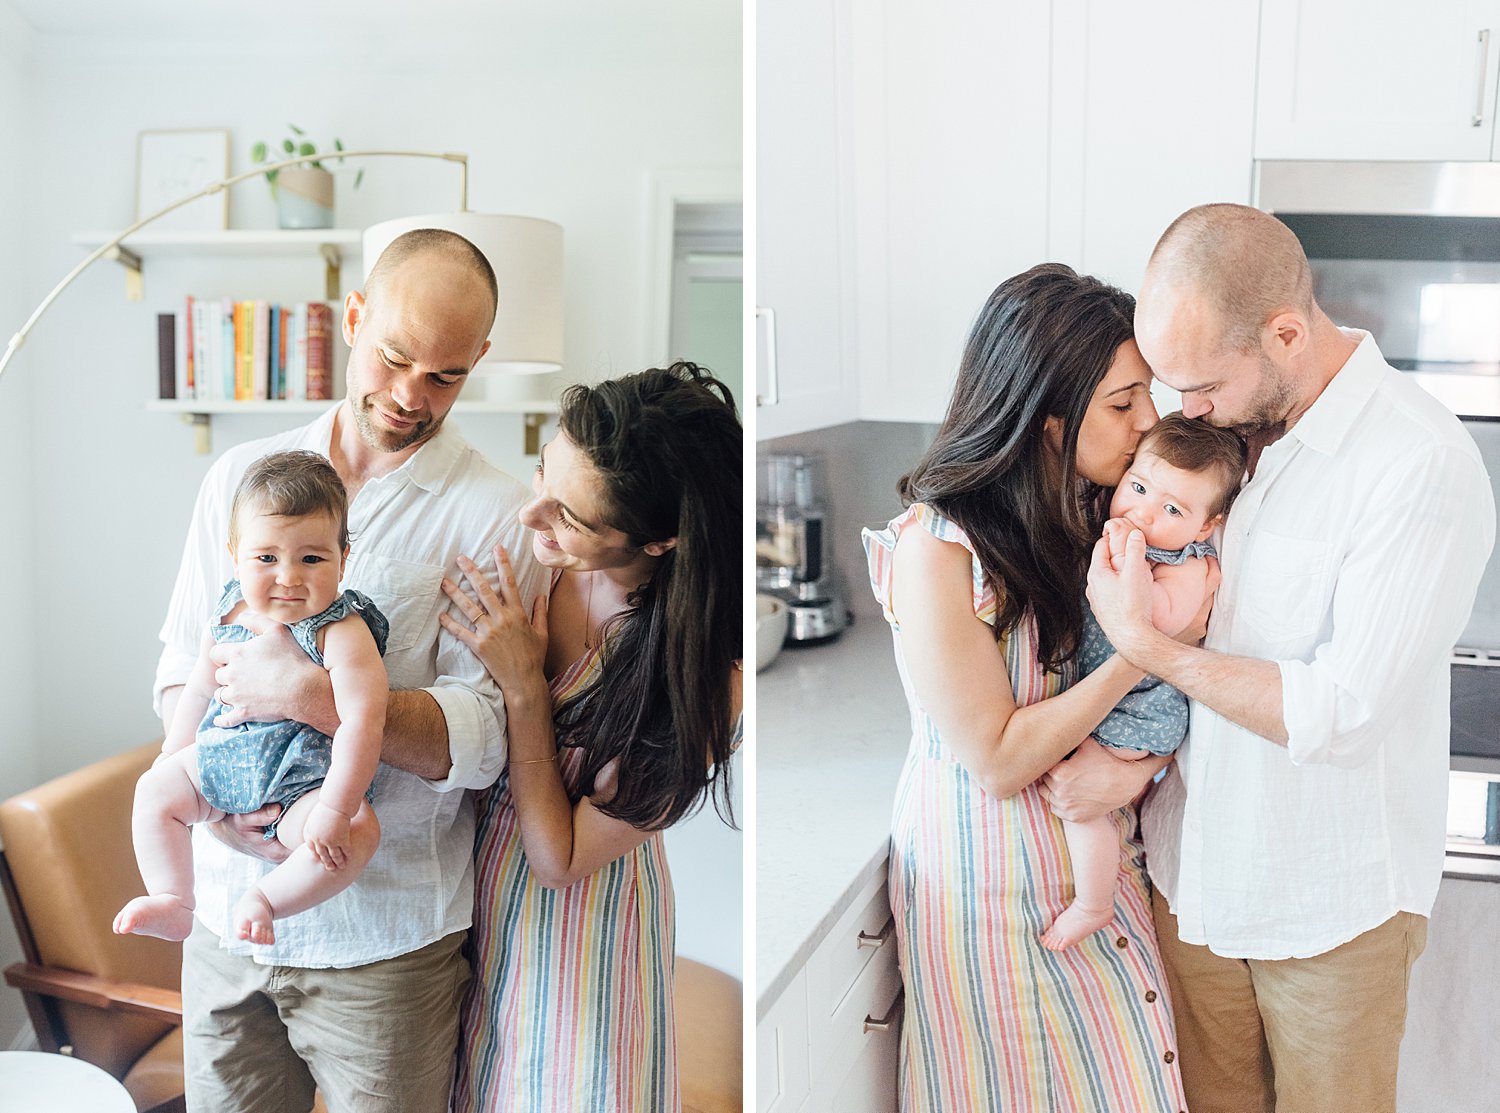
1411, 252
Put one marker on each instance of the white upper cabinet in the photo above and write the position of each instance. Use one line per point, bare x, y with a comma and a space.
951, 174
804, 376
1153, 106
1377, 79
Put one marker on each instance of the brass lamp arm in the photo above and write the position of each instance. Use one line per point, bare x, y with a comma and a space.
20, 337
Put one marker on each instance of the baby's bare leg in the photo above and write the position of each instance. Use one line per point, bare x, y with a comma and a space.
1094, 848
302, 881
168, 801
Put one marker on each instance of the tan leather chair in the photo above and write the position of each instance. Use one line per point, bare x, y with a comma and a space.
709, 1051
67, 866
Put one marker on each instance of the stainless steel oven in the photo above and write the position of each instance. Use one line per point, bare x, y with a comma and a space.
1411, 251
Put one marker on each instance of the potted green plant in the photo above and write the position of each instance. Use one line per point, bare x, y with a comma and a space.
304, 193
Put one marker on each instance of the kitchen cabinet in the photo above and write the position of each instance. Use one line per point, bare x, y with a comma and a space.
804, 373
831, 1040
1153, 112
951, 140
782, 1066
939, 149
1377, 79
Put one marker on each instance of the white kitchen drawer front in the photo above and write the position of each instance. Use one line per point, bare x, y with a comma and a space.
858, 1069
871, 1083
782, 1072
864, 933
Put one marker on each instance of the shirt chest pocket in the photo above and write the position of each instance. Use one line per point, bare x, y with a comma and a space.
407, 593
1286, 586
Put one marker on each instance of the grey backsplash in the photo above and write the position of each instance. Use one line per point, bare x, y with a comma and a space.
861, 463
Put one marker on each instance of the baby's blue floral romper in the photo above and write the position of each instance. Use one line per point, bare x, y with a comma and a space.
1153, 716
246, 767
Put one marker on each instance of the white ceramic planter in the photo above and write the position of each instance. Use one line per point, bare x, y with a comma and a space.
304, 197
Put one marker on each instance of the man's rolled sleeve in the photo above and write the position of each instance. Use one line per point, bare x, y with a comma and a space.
1309, 709
476, 735
471, 701
1403, 595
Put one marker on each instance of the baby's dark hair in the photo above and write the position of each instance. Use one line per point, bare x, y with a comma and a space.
1197, 446
291, 485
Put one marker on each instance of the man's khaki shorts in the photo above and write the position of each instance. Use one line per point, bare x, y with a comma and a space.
377, 1037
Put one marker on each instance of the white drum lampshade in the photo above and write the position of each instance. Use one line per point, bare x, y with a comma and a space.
527, 255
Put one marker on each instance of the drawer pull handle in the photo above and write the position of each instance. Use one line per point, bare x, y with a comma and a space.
885, 1023
772, 395
1484, 61
868, 940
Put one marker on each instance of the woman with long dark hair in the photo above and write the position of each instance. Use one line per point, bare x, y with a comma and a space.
622, 692
982, 581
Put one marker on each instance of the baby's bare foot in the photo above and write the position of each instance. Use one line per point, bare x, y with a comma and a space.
1076, 922
164, 916
252, 918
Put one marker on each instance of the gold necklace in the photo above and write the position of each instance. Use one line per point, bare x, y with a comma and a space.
588, 615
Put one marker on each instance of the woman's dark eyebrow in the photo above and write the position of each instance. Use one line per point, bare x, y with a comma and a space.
541, 456
1127, 386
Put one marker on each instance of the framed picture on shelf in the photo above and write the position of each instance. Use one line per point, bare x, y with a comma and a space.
170, 165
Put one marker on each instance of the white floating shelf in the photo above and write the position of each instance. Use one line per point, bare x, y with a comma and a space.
238, 241
180, 406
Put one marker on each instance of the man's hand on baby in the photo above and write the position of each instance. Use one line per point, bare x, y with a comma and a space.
246, 834
326, 834
1116, 530
259, 680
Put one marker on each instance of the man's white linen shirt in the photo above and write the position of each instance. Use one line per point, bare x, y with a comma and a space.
406, 529
1351, 559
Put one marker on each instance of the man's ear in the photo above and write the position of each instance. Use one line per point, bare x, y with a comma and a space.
659, 548
354, 314
1287, 333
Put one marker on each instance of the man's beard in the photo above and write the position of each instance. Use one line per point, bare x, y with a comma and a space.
1265, 413
389, 440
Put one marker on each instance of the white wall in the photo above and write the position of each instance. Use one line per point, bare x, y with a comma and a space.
565, 111
18, 756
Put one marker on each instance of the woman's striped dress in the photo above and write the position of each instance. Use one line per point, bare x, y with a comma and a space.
570, 1008
994, 1020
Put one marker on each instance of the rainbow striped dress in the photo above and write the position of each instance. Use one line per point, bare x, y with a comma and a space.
570, 1007
994, 1020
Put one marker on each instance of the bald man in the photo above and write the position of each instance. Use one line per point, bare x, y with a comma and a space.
360, 994
1297, 843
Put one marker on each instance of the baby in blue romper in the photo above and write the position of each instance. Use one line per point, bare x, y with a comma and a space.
289, 536
1176, 492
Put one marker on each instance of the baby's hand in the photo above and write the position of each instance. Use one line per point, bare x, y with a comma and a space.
1116, 530
326, 834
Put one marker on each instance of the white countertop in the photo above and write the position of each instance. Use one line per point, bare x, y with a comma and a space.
831, 735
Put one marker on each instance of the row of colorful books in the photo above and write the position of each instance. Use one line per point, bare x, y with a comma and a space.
220, 350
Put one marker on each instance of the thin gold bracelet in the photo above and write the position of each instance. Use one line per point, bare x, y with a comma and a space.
535, 760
